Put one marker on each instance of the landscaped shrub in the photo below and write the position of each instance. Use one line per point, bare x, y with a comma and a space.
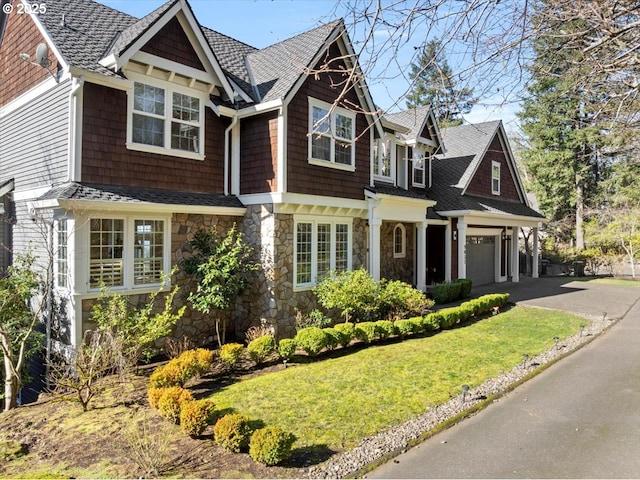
466, 312
366, 331
178, 371
348, 332
407, 327
431, 322
154, 394
398, 300
450, 317
196, 415
196, 362
446, 292
287, 348
169, 375
334, 337
465, 287
271, 445
354, 292
315, 318
312, 340
171, 400
230, 353
261, 348
385, 328
232, 432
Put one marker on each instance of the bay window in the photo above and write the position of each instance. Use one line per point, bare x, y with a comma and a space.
331, 135
321, 246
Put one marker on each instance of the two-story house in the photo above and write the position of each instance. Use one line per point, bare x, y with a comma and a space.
121, 137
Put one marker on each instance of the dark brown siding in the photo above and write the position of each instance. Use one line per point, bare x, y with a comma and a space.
16, 76
259, 153
172, 43
481, 183
106, 159
317, 180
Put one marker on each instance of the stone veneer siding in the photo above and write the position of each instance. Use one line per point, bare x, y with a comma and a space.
396, 268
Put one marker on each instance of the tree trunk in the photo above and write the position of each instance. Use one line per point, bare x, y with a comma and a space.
579, 215
10, 387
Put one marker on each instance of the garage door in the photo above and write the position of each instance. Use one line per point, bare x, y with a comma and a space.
481, 253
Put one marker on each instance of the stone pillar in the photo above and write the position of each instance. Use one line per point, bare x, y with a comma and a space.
462, 245
515, 257
374, 247
534, 271
421, 256
447, 252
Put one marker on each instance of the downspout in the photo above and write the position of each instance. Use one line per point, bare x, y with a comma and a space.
78, 83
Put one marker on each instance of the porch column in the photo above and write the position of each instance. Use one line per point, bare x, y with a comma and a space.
462, 245
421, 256
534, 271
515, 257
374, 248
447, 252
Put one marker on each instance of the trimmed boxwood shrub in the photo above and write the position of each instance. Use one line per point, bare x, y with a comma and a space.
154, 394
233, 432
261, 348
408, 326
334, 337
312, 340
398, 300
196, 416
171, 401
287, 348
366, 331
230, 353
271, 445
190, 364
348, 332
446, 292
465, 288
431, 322
450, 317
385, 328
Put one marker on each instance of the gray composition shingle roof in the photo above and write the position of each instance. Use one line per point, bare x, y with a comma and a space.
120, 194
411, 119
387, 189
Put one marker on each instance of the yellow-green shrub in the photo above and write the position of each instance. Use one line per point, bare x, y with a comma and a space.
271, 445
287, 348
178, 371
232, 432
348, 332
196, 415
154, 394
260, 348
171, 400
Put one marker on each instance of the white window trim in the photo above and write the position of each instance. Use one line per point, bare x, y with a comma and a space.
84, 238
414, 168
403, 245
383, 143
493, 190
314, 221
333, 111
169, 89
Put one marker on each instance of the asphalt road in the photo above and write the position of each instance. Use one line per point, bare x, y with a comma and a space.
578, 419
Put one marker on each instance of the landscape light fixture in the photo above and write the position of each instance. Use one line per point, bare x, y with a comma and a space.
556, 339
42, 59
525, 357
604, 315
465, 390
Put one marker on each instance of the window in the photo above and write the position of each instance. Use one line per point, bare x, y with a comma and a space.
399, 241
382, 159
165, 121
126, 252
495, 178
321, 246
331, 135
62, 260
418, 168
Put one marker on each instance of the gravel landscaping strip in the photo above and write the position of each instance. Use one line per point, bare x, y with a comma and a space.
399, 438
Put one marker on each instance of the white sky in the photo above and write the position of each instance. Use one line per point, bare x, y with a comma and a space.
260, 23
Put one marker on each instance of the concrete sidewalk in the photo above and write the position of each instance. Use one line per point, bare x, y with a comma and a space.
578, 419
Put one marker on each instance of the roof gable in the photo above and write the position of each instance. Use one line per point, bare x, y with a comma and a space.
421, 125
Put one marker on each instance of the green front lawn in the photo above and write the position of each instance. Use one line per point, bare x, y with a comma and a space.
336, 402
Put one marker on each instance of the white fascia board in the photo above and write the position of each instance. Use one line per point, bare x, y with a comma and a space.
30, 194
396, 127
114, 207
171, 66
493, 219
252, 110
102, 80
283, 201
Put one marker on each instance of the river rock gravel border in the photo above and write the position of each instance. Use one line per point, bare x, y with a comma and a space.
397, 439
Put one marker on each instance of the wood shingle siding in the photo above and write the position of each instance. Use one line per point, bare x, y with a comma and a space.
172, 43
259, 154
480, 185
106, 159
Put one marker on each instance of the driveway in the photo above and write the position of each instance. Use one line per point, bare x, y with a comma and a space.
578, 419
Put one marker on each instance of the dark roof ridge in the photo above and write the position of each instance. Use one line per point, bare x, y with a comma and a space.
331, 25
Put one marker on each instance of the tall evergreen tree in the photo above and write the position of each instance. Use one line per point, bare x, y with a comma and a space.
434, 84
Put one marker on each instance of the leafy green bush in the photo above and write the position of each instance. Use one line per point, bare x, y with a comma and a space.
271, 445
196, 415
431, 322
407, 327
446, 292
171, 400
230, 353
232, 432
365, 331
385, 328
348, 332
450, 317
261, 348
287, 348
334, 337
312, 340
315, 318
354, 292
398, 300
465, 288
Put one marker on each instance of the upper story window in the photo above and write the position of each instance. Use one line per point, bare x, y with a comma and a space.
495, 178
164, 120
331, 135
383, 158
419, 160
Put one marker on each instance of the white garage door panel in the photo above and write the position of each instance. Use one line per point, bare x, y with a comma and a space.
481, 253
